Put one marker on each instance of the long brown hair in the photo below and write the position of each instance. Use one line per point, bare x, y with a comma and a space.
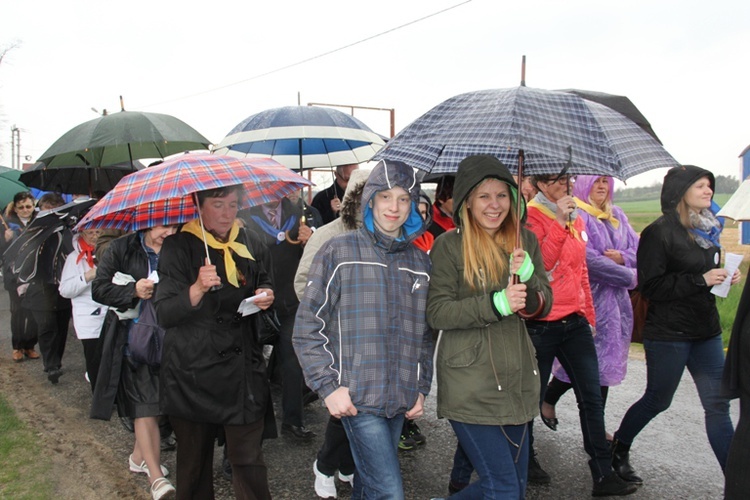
486, 257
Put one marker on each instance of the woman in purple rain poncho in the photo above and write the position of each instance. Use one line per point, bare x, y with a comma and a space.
610, 256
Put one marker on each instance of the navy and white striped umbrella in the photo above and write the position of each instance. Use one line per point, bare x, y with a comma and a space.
303, 137
555, 130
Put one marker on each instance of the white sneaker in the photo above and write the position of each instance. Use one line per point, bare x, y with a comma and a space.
325, 487
346, 478
143, 468
162, 489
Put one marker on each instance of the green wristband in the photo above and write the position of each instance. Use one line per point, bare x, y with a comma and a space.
501, 303
526, 270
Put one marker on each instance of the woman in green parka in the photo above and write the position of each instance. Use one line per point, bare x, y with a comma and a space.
488, 382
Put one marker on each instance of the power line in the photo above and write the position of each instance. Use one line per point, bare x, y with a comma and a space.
303, 61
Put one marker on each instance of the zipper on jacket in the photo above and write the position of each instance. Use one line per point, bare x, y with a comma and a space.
483, 282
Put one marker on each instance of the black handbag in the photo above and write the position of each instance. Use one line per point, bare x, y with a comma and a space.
269, 327
146, 337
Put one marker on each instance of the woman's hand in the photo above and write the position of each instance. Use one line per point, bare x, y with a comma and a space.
144, 289
264, 302
339, 403
736, 277
8, 234
615, 255
207, 277
516, 295
516, 259
716, 276
565, 206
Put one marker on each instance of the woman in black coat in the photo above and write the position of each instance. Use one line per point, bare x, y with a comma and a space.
736, 384
19, 214
213, 373
123, 279
678, 263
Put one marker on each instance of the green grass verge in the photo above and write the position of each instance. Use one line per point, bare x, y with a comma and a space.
728, 306
642, 213
23, 468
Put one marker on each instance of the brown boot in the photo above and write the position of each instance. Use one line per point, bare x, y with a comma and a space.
17, 355
31, 354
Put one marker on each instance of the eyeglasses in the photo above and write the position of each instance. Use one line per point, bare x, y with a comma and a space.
563, 181
24, 207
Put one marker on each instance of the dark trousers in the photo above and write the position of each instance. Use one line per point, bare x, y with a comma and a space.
570, 341
335, 453
22, 326
52, 329
556, 388
292, 379
195, 459
92, 356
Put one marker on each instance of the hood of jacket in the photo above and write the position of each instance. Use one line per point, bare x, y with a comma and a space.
474, 169
676, 183
351, 204
389, 174
424, 198
584, 183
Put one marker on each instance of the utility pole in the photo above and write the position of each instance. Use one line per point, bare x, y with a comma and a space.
15, 147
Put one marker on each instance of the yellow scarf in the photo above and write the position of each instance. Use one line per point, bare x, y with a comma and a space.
194, 227
552, 215
595, 212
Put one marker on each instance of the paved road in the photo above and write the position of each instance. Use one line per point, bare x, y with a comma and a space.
672, 454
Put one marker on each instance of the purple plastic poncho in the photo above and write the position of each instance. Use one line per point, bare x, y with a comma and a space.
610, 283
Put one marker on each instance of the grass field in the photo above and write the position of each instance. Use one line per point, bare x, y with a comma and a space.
642, 213
23, 468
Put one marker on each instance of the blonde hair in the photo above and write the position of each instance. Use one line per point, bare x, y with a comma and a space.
486, 257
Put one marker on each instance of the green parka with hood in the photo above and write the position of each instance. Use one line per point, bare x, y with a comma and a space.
486, 365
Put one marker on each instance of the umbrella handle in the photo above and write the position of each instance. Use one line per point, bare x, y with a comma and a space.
523, 314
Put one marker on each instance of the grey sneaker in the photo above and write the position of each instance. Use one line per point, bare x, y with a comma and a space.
325, 486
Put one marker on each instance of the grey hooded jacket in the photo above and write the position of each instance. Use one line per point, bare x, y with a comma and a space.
361, 323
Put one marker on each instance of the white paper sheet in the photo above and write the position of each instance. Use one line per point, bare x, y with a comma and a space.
248, 306
732, 261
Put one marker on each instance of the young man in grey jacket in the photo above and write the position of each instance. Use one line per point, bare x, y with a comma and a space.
360, 331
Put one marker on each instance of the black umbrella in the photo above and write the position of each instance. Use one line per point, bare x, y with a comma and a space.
47, 228
619, 103
84, 179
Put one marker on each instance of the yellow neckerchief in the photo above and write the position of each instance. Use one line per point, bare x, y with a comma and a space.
549, 213
595, 212
194, 227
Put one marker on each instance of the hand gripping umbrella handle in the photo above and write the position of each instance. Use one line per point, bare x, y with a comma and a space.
205, 243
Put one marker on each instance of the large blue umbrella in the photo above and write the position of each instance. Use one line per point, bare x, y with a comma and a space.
303, 137
556, 131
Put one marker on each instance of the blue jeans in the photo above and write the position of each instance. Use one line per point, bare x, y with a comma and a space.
374, 444
500, 455
570, 341
665, 364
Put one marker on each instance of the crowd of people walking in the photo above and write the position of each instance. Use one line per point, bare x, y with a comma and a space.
515, 293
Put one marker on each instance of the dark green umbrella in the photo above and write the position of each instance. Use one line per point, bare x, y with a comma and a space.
122, 137
9, 186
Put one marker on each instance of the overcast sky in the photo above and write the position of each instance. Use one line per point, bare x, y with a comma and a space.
683, 63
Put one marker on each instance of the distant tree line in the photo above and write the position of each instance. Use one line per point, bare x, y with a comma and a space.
724, 184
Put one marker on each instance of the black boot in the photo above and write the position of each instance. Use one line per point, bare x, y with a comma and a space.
621, 462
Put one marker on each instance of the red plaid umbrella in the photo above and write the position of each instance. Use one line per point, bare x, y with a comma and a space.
162, 195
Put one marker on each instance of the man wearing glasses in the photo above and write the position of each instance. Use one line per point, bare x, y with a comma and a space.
328, 201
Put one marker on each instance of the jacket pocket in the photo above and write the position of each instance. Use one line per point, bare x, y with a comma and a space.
464, 357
